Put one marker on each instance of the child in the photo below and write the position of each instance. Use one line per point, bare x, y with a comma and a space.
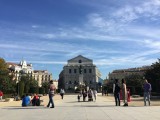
79, 96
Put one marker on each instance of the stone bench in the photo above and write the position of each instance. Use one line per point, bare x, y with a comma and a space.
9, 99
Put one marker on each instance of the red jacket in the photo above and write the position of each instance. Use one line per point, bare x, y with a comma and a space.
1, 93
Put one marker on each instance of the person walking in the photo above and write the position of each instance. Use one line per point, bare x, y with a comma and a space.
124, 93
84, 94
95, 94
52, 89
147, 91
116, 92
62, 93
90, 95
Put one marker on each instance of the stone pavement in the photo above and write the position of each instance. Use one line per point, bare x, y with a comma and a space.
70, 109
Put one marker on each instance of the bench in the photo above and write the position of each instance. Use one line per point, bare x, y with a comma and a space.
9, 99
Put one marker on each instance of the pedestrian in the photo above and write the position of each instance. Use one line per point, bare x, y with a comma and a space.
62, 93
95, 94
102, 92
147, 91
116, 92
90, 95
84, 94
124, 93
105, 92
78, 97
1, 95
52, 89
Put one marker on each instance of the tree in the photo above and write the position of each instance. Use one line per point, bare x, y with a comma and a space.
135, 83
21, 88
30, 84
45, 85
7, 85
41, 90
153, 76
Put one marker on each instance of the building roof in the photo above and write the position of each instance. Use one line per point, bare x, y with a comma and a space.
143, 68
40, 71
79, 56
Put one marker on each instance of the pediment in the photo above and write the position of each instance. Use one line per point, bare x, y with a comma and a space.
80, 60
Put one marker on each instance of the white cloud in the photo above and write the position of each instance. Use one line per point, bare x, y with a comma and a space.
49, 36
147, 9
152, 44
35, 26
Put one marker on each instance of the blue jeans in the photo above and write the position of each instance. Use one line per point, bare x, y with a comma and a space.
146, 97
50, 101
117, 99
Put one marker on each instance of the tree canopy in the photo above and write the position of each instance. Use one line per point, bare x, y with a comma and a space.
7, 85
153, 76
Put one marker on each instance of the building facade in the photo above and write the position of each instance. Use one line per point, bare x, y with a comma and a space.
23, 68
42, 76
79, 71
18, 69
122, 73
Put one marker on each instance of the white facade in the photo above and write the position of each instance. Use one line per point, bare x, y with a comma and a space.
42, 76
23, 68
79, 70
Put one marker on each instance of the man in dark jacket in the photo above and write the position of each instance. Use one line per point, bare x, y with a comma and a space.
116, 91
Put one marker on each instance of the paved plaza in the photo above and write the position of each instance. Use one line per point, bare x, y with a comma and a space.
70, 109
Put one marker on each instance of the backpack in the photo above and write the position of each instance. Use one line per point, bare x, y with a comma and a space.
117, 88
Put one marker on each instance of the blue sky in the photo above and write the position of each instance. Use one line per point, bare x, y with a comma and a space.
115, 34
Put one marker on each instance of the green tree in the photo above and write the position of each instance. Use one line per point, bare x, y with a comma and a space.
135, 83
7, 85
21, 88
45, 85
153, 76
29, 83
41, 90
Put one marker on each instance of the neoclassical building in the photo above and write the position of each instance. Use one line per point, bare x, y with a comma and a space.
79, 71
23, 68
42, 76
122, 73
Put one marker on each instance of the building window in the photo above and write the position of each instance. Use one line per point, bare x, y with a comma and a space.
90, 70
80, 61
75, 70
75, 82
70, 82
70, 71
85, 71
90, 82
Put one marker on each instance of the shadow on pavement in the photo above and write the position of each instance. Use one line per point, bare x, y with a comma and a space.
15, 107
